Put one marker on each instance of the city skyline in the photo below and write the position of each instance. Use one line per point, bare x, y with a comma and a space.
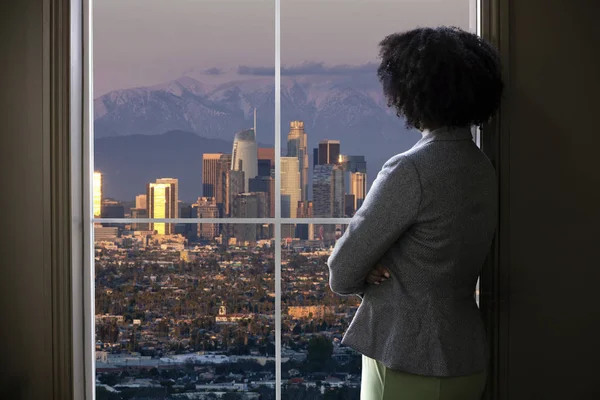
255, 164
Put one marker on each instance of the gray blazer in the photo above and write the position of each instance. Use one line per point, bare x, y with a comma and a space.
429, 217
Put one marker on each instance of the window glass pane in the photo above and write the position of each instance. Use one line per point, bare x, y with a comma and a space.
314, 320
184, 108
336, 129
174, 317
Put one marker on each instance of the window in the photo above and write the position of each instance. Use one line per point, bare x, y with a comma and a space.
232, 143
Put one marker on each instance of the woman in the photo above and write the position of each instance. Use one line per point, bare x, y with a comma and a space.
414, 250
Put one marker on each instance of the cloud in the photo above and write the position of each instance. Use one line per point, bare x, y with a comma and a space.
310, 68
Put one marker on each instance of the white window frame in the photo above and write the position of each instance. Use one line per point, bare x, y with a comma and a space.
83, 221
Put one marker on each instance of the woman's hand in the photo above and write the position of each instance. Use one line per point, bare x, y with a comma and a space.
377, 275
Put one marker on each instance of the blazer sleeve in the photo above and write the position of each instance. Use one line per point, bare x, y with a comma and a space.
389, 209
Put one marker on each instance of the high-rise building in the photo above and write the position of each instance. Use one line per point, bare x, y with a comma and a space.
358, 188
297, 147
244, 156
339, 191
185, 211
207, 208
97, 188
214, 179
249, 205
175, 195
305, 209
140, 213
329, 152
349, 207
210, 167
266, 161
322, 191
290, 186
234, 185
305, 231
328, 191
352, 164
265, 184
141, 201
112, 209
161, 204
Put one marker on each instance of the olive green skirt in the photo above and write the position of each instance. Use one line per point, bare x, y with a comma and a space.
382, 383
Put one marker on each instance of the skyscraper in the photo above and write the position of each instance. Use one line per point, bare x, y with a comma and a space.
358, 188
329, 152
141, 201
305, 231
234, 185
112, 209
349, 202
214, 170
249, 205
352, 164
290, 186
160, 198
328, 191
338, 191
297, 147
140, 213
266, 161
210, 167
97, 187
174, 205
207, 208
265, 184
244, 156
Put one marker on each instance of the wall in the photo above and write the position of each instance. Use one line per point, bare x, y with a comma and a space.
25, 284
551, 197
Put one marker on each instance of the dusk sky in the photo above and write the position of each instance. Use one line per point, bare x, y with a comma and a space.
147, 42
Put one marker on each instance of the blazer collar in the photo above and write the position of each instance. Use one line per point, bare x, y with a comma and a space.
446, 134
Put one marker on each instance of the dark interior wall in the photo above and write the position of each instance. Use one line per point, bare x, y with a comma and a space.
549, 248
25, 287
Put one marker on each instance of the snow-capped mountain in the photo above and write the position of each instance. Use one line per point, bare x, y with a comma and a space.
344, 107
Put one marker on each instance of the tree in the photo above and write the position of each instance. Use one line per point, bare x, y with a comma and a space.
320, 350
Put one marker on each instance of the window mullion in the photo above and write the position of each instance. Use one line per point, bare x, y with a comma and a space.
277, 227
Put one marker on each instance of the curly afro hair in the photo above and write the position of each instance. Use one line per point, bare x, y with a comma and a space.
438, 77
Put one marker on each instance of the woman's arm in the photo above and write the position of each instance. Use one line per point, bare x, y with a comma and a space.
389, 209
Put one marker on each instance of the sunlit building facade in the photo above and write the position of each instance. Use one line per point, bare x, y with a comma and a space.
174, 203
97, 195
161, 204
290, 186
358, 188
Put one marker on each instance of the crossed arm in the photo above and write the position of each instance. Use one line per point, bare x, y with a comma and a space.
389, 209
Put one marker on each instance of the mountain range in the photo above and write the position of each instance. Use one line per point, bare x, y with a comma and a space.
162, 130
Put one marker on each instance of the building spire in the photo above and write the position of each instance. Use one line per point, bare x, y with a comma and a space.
255, 124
